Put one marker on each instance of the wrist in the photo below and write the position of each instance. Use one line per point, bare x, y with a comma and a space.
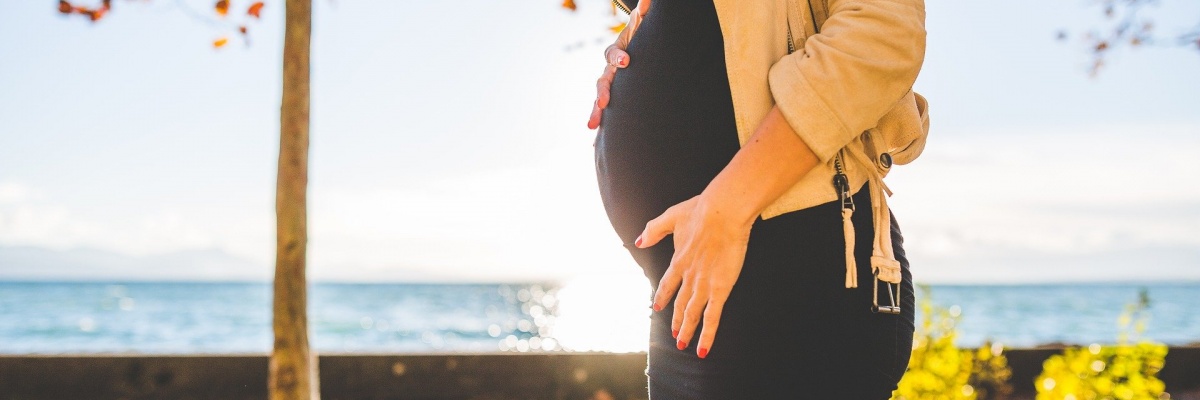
726, 209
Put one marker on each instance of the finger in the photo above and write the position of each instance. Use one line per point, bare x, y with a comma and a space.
617, 57
602, 96
681, 301
644, 7
658, 228
712, 318
668, 284
631, 27
604, 84
692, 311
594, 119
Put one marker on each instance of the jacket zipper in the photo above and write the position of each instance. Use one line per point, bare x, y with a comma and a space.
841, 183
791, 45
621, 6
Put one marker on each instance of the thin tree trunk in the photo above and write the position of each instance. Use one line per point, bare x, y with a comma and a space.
293, 367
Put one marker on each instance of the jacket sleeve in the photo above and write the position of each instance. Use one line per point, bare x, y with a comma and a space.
846, 77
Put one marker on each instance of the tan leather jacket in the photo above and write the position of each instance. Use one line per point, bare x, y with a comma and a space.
845, 89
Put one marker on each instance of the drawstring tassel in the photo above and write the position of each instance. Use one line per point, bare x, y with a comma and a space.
883, 262
848, 230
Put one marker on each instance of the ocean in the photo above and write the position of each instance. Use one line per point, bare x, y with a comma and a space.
588, 315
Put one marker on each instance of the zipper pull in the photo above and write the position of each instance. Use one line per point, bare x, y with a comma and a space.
841, 183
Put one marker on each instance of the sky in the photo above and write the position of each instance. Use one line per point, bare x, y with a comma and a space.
449, 144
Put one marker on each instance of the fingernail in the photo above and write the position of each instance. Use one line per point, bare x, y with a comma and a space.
675, 333
680, 344
657, 307
638, 242
621, 60
703, 352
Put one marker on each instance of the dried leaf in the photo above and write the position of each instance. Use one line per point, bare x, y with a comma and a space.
222, 7
220, 42
255, 9
93, 15
65, 7
1103, 45
617, 28
569, 4
242, 29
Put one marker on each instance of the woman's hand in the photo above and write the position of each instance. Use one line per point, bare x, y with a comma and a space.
616, 57
710, 247
712, 230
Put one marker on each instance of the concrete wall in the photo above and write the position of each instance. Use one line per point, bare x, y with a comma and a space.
379, 377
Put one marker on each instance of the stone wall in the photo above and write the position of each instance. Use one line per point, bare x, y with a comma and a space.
425, 376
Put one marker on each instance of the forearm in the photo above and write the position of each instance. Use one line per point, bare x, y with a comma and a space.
771, 161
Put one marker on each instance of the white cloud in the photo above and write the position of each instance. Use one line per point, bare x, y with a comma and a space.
542, 220
33, 219
12, 192
1069, 194
972, 205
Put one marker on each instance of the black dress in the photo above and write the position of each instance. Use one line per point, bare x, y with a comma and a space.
790, 328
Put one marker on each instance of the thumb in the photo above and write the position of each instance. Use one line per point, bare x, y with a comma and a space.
617, 57
658, 228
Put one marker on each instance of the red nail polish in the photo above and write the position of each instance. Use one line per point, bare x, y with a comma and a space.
657, 307
703, 352
680, 344
638, 242
675, 333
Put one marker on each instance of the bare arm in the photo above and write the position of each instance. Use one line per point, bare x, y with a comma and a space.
771, 161
711, 231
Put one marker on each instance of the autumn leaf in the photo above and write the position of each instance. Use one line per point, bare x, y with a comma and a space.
617, 28
92, 14
65, 7
242, 30
255, 9
220, 42
222, 7
569, 4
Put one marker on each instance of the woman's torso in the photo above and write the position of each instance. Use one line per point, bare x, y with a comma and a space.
669, 128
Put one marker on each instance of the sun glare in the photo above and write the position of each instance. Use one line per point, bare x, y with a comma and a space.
609, 313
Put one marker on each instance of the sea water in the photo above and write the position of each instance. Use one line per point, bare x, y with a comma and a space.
590, 315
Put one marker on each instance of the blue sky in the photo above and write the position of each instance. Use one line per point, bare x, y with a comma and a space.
448, 143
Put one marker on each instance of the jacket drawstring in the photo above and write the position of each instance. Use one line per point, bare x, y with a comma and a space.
848, 229
883, 261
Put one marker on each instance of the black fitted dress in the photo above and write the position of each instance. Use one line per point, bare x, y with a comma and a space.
790, 329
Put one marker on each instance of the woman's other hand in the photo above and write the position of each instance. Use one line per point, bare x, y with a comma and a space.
710, 248
616, 57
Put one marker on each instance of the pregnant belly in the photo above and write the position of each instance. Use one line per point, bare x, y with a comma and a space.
669, 127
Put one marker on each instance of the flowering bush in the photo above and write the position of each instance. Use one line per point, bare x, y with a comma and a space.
940, 370
1126, 371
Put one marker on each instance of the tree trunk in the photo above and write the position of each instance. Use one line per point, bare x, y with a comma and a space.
293, 367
